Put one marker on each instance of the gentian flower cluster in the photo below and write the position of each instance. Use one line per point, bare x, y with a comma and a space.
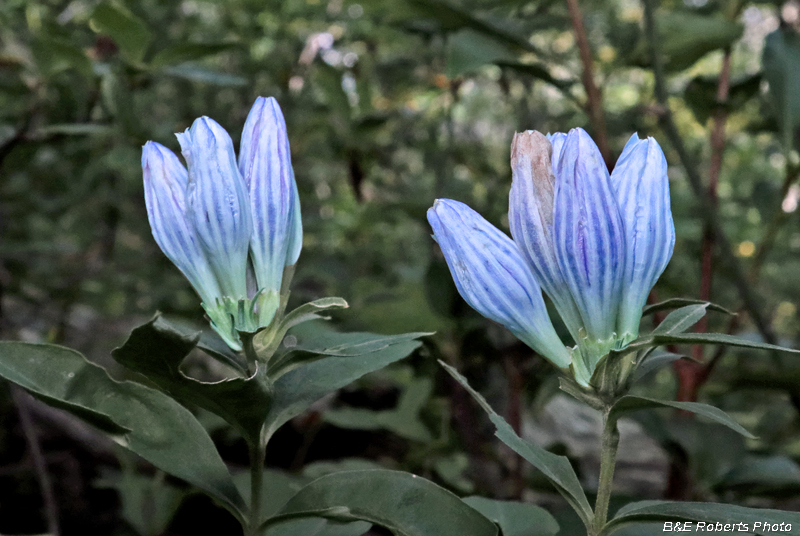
594, 243
230, 227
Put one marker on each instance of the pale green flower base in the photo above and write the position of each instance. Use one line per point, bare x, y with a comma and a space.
230, 316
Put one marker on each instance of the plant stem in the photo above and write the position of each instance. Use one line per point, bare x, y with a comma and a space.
608, 460
257, 453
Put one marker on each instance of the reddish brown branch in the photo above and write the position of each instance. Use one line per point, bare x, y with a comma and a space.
594, 99
691, 375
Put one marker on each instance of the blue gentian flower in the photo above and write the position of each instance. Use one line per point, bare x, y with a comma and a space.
493, 277
224, 223
596, 243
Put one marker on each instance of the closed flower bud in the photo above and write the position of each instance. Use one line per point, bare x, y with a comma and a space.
223, 229
266, 166
165, 184
595, 243
642, 189
217, 203
493, 277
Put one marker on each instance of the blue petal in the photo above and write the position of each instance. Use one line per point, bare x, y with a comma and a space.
165, 183
530, 216
642, 190
557, 140
265, 163
493, 277
217, 203
589, 236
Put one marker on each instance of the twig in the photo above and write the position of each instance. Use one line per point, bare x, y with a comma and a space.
37, 457
692, 375
708, 210
594, 99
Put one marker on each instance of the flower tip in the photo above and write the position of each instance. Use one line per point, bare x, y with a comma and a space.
530, 148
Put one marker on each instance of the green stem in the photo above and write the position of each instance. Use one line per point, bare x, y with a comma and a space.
608, 460
257, 453
249, 351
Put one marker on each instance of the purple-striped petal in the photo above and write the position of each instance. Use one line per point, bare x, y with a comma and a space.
217, 204
530, 216
641, 186
165, 183
493, 277
589, 235
265, 164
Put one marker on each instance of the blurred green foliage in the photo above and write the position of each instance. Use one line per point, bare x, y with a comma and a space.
389, 105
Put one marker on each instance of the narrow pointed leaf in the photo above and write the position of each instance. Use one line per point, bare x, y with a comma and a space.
708, 513
298, 388
157, 428
630, 403
675, 303
129, 32
717, 338
210, 342
557, 469
654, 362
681, 319
516, 518
405, 504
156, 351
317, 526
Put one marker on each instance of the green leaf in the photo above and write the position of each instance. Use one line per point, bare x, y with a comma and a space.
267, 341
277, 488
658, 339
351, 355
681, 319
55, 55
210, 342
556, 468
675, 303
143, 420
317, 338
469, 50
780, 59
754, 518
405, 504
688, 36
317, 526
183, 52
764, 473
718, 338
655, 361
701, 95
148, 503
195, 73
156, 351
128, 31
516, 518
630, 403
75, 129
402, 420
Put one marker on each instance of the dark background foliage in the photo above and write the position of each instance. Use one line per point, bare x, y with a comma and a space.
390, 105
